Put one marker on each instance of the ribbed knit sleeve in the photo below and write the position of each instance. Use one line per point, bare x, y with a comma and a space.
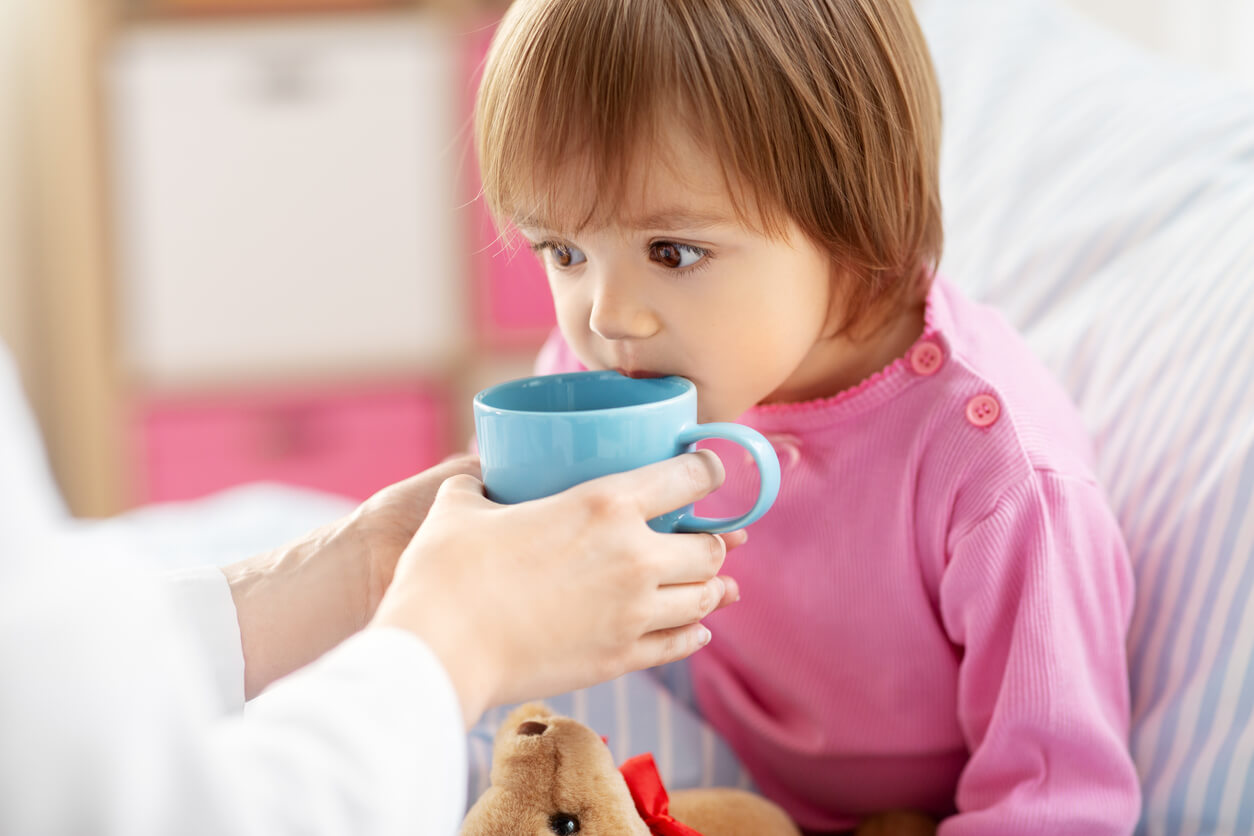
1038, 595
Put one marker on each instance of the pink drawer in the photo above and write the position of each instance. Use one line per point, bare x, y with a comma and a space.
513, 308
350, 442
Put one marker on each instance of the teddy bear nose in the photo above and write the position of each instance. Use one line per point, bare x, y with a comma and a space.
531, 727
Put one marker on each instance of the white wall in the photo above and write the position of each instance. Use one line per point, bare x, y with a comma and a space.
1218, 34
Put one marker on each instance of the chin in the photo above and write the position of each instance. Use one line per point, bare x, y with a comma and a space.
711, 408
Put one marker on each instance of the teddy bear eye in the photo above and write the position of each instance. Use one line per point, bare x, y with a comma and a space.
564, 824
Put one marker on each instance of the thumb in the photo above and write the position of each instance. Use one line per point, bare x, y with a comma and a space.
462, 486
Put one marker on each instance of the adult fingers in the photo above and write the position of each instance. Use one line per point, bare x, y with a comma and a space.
683, 604
426, 483
462, 460
452, 466
664, 486
462, 486
685, 558
664, 646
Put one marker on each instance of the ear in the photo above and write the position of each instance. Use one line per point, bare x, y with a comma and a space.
838, 279
535, 713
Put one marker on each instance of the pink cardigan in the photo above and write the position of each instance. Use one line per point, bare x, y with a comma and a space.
934, 612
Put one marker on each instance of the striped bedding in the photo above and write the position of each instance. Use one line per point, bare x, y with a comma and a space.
1104, 200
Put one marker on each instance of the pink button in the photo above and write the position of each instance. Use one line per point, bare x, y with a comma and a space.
926, 358
983, 410
787, 449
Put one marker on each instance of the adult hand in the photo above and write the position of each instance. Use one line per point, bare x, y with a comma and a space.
297, 602
531, 600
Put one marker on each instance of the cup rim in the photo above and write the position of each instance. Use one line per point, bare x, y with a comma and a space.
482, 406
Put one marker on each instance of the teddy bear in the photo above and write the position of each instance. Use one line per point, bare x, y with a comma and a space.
554, 775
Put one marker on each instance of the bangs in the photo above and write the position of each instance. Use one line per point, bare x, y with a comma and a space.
577, 95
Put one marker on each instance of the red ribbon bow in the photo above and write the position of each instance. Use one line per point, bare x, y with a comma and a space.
651, 799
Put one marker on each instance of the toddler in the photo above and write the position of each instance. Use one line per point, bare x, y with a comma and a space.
745, 193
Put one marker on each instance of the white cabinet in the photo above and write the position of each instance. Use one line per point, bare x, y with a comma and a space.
287, 198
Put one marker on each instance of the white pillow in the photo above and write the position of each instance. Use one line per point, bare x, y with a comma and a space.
1104, 200
30, 504
233, 524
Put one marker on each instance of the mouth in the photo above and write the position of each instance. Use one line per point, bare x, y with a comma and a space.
639, 374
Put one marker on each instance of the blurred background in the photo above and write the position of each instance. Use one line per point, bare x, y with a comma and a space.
240, 240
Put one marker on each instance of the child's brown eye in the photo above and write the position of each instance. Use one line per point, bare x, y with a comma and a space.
564, 256
676, 256
667, 254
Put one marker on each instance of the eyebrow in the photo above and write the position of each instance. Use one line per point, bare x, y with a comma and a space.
677, 219
666, 219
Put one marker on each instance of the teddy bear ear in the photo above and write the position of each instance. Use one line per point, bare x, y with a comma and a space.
532, 718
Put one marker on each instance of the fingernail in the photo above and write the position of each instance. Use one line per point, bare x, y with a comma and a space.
714, 463
722, 589
703, 638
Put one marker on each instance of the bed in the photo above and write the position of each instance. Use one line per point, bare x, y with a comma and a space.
1104, 200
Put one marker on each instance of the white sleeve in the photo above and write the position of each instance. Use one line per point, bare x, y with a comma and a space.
112, 725
202, 597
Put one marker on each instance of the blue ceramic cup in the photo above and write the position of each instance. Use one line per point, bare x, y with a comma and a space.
541, 435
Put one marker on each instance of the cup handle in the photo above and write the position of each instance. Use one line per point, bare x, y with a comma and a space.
768, 471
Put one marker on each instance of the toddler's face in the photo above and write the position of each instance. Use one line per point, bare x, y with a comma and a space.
674, 284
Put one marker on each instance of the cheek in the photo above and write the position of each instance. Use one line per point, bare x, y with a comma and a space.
572, 315
565, 296
734, 373
752, 348
767, 333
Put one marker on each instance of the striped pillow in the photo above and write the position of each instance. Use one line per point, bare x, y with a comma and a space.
1104, 200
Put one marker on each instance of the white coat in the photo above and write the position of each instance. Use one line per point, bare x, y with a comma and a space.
121, 712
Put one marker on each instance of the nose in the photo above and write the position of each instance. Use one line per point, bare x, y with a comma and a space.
618, 314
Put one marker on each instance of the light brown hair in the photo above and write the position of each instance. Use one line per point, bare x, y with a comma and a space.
825, 112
